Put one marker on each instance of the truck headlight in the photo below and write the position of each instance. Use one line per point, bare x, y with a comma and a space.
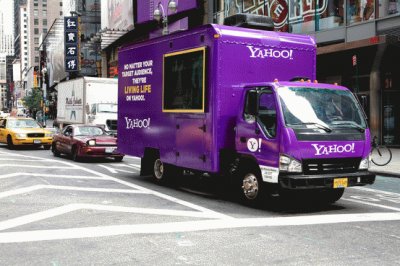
364, 164
91, 142
21, 135
288, 164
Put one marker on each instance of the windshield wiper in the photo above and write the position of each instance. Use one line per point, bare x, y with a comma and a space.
327, 129
350, 123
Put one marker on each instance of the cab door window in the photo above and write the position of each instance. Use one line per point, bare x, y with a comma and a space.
267, 112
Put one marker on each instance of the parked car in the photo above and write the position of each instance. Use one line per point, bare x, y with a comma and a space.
81, 141
24, 131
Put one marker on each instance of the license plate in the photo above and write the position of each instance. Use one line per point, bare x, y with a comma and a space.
110, 150
36, 141
340, 182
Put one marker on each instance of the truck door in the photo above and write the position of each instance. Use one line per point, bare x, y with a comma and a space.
257, 134
190, 143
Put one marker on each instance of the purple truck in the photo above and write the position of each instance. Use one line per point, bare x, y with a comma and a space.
211, 100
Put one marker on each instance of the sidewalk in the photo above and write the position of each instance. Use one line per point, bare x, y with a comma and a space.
391, 169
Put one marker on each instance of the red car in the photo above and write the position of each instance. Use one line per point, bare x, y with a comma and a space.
81, 141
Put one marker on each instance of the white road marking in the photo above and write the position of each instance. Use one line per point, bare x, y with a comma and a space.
191, 226
22, 160
34, 166
143, 189
373, 204
52, 176
39, 216
376, 191
89, 189
114, 170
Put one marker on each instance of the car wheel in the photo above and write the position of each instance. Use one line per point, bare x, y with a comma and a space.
10, 143
54, 150
46, 147
118, 158
75, 155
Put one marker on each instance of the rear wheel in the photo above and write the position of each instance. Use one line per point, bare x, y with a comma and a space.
10, 143
163, 173
118, 158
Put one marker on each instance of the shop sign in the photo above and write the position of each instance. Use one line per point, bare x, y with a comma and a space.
71, 37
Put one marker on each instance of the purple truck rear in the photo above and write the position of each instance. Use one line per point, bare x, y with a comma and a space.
209, 100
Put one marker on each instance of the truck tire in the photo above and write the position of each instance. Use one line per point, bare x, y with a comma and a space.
251, 187
164, 173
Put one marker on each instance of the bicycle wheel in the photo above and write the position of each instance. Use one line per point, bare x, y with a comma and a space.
381, 155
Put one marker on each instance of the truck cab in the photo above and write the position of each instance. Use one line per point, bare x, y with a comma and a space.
105, 114
302, 136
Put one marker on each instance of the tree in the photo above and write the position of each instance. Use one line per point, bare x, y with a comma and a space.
33, 99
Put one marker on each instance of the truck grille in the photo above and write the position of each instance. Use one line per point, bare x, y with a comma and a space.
112, 124
330, 166
35, 135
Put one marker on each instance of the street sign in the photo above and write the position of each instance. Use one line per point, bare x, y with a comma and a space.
71, 46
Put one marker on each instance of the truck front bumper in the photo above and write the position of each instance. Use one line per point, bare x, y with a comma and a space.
300, 182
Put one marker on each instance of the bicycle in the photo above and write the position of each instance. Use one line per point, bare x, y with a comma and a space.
381, 155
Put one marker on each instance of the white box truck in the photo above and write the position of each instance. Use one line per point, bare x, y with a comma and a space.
88, 100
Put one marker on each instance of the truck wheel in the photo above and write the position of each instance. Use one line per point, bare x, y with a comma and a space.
251, 186
10, 144
163, 172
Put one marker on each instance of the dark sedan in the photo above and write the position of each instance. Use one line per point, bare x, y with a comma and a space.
82, 141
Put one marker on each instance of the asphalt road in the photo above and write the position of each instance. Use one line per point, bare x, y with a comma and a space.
54, 211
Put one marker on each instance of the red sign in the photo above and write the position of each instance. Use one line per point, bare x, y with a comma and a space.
354, 60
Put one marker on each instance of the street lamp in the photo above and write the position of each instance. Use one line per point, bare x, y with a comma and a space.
160, 14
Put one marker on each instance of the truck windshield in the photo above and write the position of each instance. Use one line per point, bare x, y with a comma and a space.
326, 109
107, 108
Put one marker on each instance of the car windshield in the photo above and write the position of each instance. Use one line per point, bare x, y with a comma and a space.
88, 131
22, 123
107, 108
322, 108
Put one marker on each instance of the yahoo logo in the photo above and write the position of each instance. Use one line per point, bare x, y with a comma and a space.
329, 149
268, 53
137, 123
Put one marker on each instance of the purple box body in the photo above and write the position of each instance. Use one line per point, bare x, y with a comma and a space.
235, 59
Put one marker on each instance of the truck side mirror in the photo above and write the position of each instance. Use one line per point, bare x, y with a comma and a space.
252, 103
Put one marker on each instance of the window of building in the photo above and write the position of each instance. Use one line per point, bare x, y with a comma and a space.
358, 11
35, 4
61, 13
184, 83
44, 30
36, 48
61, 4
36, 40
44, 22
36, 21
35, 13
36, 31
36, 59
44, 13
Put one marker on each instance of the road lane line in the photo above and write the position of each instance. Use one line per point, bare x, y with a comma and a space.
88, 189
376, 191
192, 226
35, 166
373, 204
114, 171
52, 176
51, 213
145, 190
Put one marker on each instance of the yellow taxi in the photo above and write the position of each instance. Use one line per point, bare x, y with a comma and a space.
24, 131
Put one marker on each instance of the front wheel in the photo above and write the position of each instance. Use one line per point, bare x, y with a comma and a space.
54, 150
10, 144
251, 186
381, 155
75, 154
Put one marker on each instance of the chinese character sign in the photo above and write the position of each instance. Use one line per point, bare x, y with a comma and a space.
71, 37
